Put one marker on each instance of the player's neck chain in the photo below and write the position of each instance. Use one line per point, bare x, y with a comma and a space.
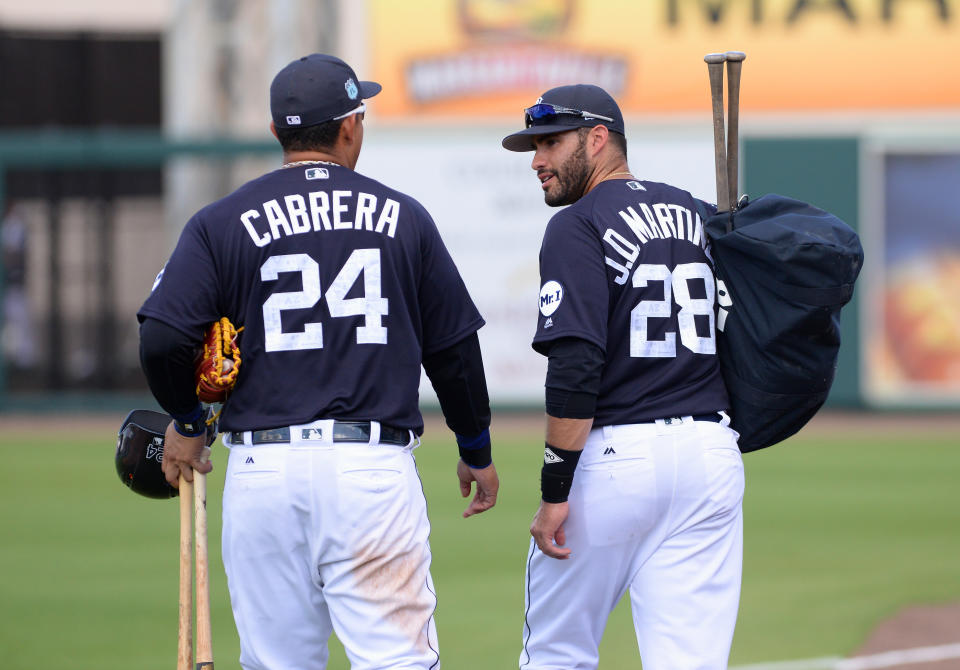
296, 163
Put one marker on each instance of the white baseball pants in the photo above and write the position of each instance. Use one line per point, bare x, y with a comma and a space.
656, 509
321, 538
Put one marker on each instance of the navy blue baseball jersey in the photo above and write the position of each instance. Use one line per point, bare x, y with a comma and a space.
341, 286
626, 268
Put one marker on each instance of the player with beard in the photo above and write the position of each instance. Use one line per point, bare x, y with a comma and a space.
635, 404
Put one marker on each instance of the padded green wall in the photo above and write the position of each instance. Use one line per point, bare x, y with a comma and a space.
825, 173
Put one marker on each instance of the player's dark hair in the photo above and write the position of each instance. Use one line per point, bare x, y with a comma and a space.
619, 141
616, 139
320, 136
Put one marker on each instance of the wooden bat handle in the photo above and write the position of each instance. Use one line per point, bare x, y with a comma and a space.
734, 65
715, 63
185, 623
204, 639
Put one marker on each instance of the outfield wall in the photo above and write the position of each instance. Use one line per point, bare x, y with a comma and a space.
489, 208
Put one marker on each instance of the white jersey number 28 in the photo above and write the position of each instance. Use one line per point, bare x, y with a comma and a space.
371, 305
675, 289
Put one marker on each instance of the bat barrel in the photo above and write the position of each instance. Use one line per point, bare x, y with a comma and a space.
734, 61
185, 622
204, 637
715, 63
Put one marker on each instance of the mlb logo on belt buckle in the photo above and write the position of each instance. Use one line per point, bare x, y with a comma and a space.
672, 420
311, 434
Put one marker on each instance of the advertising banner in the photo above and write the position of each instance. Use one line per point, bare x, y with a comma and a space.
489, 58
912, 342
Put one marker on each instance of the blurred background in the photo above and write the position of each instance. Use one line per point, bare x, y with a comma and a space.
120, 119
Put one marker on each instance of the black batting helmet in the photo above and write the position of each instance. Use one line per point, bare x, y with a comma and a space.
140, 453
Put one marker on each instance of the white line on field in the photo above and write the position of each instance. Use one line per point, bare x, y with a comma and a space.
887, 659
825, 663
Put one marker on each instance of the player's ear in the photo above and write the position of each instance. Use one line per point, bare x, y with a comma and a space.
273, 129
597, 139
348, 129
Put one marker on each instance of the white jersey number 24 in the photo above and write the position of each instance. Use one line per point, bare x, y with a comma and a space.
675, 289
371, 306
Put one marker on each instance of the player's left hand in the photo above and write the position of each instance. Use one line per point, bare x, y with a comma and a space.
488, 483
547, 529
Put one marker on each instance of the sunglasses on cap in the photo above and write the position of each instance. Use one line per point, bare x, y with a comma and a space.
544, 110
356, 110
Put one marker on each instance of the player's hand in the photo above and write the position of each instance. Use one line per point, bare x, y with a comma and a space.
547, 529
488, 483
183, 455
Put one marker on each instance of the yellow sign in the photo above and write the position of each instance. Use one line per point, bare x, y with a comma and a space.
487, 58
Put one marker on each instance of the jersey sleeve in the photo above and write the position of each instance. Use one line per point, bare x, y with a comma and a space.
184, 294
447, 312
704, 209
574, 292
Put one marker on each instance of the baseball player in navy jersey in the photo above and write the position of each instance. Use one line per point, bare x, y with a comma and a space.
343, 289
642, 478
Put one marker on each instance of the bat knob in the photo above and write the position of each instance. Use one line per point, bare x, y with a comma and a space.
735, 56
713, 59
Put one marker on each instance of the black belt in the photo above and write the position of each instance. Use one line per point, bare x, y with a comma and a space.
713, 416
343, 431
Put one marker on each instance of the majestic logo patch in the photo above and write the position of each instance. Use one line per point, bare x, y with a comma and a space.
294, 120
550, 457
636, 186
352, 89
608, 450
548, 323
317, 173
551, 294
249, 460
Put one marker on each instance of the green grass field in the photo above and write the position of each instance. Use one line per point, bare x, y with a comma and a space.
841, 532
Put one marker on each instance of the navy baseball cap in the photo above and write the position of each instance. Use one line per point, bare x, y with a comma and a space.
565, 108
315, 89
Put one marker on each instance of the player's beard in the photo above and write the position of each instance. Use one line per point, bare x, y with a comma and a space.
571, 177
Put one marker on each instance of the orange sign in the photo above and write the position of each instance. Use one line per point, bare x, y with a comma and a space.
487, 58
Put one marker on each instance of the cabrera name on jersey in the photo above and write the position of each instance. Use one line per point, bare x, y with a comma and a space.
295, 214
628, 269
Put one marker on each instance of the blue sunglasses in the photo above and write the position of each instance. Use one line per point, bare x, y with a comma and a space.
544, 110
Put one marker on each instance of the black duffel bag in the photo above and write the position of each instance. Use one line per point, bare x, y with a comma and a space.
784, 270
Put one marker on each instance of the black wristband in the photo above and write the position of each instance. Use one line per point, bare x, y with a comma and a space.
556, 477
190, 429
475, 451
192, 425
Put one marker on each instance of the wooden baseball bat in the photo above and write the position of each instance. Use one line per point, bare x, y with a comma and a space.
204, 640
715, 63
734, 65
185, 623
